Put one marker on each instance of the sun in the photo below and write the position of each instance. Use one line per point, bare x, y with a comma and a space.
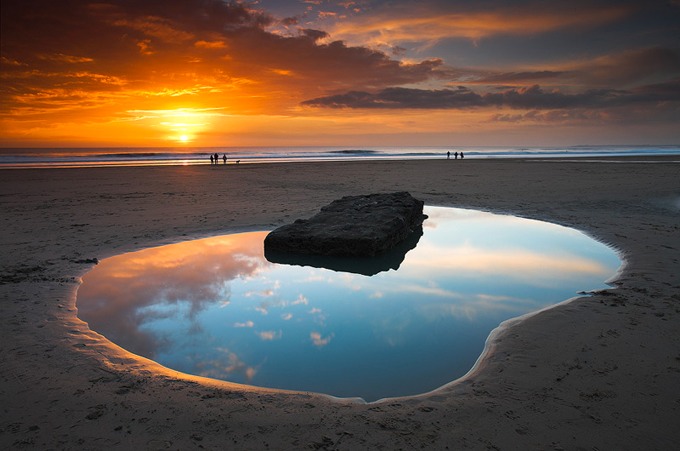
181, 125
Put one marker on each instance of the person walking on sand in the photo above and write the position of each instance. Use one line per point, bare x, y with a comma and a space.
211, 160
455, 156
448, 155
224, 158
462, 155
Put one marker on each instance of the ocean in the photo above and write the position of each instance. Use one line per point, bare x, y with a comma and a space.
18, 158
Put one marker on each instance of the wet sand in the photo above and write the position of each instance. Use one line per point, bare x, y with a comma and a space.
599, 372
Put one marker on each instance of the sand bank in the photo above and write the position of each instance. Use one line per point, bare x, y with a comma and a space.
599, 372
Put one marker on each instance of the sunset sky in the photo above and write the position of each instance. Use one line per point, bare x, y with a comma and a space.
78, 73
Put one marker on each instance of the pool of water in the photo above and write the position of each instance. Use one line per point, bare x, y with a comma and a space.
218, 308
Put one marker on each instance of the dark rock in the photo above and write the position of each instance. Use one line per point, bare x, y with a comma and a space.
367, 266
352, 226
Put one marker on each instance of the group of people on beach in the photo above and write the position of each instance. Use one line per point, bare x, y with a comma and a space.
455, 155
215, 159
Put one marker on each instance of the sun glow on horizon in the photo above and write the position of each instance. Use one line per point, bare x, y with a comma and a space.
181, 125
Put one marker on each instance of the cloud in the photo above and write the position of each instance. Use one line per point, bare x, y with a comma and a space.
178, 280
532, 267
245, 324
391, 98
620, 70
634, 66
262, 308
270, 335
121, 37
226, 365
554, 116
316, 35
71, 59
267, 293
519, 77
301, 299
156, 27
320, 341
210, 44
535, 97
331, 64
472, 306
212, 47
531, 97
434, 21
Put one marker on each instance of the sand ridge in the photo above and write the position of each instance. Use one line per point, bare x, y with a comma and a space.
599, 372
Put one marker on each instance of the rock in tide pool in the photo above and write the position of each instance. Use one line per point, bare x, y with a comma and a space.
366, 266
356, 226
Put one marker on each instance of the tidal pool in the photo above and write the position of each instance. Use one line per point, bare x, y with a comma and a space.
218, 308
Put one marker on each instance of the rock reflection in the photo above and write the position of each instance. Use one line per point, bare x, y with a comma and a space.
218, 308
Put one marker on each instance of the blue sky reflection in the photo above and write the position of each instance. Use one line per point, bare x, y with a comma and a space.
217, 308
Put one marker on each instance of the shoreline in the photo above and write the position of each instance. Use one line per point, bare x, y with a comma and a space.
145, 160
594, 385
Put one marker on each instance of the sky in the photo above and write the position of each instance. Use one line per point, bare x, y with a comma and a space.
132, 73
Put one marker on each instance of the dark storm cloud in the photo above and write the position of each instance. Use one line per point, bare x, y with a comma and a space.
391, 98
621, 70
657, 102
332, 64
101, 28
521, 77
533, 97
315, 35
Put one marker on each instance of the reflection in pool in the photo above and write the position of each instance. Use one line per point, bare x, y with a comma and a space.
216, 307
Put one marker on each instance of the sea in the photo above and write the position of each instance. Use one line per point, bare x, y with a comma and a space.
22, 158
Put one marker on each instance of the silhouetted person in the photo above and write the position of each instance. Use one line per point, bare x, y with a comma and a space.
448, 155
217, 158
224, 158
462, 155
212, 161
455, 156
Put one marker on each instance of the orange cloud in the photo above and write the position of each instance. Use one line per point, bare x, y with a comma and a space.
210, 44
60, 57
434, 25
156, 27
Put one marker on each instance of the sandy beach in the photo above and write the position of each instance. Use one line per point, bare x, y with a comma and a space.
598, 372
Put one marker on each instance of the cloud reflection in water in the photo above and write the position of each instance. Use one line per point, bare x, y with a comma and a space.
217, 308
